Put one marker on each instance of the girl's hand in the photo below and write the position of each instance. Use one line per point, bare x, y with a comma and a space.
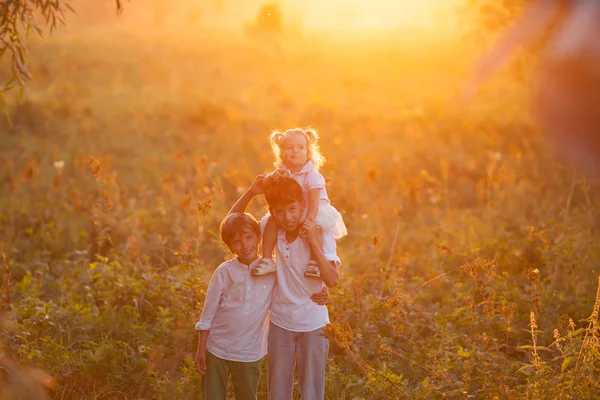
279, 174
201, 361
269, 179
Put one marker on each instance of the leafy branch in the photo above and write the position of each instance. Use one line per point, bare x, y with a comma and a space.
18, 19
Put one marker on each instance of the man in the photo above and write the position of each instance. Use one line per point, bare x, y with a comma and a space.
568, 88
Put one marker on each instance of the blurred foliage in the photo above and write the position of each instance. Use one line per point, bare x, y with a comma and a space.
268, 21
470, 271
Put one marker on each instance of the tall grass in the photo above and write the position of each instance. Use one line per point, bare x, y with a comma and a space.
470, 270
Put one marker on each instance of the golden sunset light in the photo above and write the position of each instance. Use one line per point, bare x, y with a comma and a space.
299, 199
353, 15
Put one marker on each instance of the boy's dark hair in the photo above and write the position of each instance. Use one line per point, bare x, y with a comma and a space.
235, 223
283, 192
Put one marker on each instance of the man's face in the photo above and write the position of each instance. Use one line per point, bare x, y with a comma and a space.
245, 245
288, 217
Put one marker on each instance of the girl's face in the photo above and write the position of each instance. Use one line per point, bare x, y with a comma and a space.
294, 152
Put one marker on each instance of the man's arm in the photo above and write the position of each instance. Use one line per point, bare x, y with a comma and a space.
243, 202
329, 271
535, 17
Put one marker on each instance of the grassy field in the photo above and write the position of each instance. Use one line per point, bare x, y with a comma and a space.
472, 261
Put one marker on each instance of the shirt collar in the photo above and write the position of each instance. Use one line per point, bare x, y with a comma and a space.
282, 234
247, 267
305, 169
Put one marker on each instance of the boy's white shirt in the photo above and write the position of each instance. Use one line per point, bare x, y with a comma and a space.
291, 306
236, 312
236, 308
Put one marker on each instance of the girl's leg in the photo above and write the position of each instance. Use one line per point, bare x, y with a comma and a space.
319, 241
313, 268
267, 264
269, 238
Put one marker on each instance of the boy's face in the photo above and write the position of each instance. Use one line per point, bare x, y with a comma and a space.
288, 217
245, 245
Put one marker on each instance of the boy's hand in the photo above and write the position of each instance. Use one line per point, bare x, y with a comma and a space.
257, 187
302, 232
201, 361
312, 230
321, 297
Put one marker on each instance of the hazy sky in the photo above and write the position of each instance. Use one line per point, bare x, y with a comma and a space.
376, 14
338, 15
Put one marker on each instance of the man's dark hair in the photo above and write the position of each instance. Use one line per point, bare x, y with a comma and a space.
282, 192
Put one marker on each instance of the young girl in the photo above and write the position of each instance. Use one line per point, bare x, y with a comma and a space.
297, 156
568, 90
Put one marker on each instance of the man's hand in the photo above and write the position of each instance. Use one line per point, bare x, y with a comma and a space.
473, 83
321, 297
467, 91
257, 187
201, 361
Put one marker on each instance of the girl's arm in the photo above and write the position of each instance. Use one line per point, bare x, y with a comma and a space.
313, 204
315, 183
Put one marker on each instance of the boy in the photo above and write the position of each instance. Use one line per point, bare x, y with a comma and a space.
234, 323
